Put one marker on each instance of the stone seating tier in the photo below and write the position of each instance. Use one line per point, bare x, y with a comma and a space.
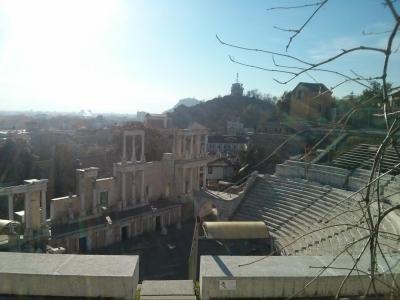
294, 208
362, 156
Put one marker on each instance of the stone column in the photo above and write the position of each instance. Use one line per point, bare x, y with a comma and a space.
194, 154
178, 146
142, 188
205, 144
198, 144
191, 180
123, 146
83, 208
133, 191
142, 157
94, 203
201, 148
11, 206
123, 189
81, 179
198, 179
183, 180
27, 211
133, 159
205, 176
191, 146
185, 151
43, 206
183, 146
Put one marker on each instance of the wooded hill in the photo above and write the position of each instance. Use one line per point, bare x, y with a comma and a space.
214, 114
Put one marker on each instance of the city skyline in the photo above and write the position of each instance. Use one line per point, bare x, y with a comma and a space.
128, 56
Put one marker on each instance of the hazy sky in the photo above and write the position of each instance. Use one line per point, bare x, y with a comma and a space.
125, 56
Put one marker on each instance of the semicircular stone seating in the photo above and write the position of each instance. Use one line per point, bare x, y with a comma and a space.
307, 218
362, 156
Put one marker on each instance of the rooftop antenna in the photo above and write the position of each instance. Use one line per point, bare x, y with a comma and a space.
237, 77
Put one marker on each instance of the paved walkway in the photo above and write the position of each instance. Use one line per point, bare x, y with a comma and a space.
161, 257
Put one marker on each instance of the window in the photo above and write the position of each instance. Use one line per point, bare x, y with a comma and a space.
210, 170
104, 198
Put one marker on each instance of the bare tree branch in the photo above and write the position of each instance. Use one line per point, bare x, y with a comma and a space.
262, 51
305, 24
294, 7
395, 14
372, 207
375, 33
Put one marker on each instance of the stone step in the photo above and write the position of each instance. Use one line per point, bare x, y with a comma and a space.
167, 290
175, 297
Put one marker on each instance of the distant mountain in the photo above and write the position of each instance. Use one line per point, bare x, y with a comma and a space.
188, 102
214, 114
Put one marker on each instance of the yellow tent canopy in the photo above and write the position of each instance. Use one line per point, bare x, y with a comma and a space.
235, 230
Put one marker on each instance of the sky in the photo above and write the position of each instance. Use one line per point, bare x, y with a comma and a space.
125, 56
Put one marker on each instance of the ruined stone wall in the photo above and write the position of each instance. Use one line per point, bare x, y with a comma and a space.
155, 178
61, 209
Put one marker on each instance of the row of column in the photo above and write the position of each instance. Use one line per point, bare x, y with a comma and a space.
133, 157
181, 149
27, 208
123, 188
193, 176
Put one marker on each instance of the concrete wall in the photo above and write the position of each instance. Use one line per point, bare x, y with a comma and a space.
61, 208
156, 179
217, 172
225, 203
104, 235
107, 184
291, 169
55, 275
328, 175
35, 210
236, 277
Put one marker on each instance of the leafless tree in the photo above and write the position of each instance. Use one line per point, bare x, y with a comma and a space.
371, 195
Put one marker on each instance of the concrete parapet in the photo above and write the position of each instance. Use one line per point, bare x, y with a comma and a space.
323, 174
328, 175
237, 277
225, 202
287, 170
57, 275
167, 290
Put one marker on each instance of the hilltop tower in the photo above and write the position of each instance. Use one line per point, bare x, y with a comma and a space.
237, 88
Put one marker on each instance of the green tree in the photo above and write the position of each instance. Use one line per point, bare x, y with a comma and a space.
16, 160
